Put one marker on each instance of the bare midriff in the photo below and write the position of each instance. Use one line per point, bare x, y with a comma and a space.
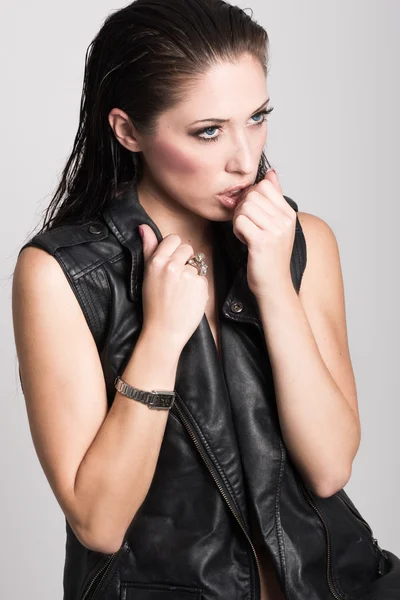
270, 589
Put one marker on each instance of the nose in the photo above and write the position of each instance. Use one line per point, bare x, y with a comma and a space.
241, 158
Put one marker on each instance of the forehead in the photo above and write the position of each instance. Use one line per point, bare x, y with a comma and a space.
226, 90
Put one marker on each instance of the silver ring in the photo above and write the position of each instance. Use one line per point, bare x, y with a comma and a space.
197, 260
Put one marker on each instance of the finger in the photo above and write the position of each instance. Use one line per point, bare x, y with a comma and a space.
256, 213
273, 178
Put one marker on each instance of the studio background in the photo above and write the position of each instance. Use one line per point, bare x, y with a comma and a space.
333, 139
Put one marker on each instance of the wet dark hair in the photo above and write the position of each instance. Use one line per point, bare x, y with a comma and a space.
143, 60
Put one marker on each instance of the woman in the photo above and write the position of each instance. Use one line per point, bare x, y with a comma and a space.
231, 485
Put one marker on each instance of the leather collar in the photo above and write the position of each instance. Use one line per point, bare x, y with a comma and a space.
124, 214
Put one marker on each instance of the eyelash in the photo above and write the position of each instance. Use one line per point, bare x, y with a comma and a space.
214, 139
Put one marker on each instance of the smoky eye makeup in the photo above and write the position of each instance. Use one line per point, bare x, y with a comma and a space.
202, 134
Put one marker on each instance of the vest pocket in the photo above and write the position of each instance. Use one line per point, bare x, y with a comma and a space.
158, 591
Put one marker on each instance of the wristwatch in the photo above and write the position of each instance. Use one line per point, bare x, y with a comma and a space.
154, 399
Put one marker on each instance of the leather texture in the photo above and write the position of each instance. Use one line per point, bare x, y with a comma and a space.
223, 458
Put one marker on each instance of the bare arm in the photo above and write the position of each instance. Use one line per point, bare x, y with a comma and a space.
308, 345
118, 468
94, 460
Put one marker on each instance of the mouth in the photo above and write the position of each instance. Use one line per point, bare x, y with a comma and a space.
235, 189
232, 198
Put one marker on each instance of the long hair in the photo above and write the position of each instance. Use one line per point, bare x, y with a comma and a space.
143, 60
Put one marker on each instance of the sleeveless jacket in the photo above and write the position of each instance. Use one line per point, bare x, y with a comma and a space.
223, 463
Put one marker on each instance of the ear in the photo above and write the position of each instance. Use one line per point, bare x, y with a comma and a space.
124, 130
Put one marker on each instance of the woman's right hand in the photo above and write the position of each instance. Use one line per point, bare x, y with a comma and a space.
174, 295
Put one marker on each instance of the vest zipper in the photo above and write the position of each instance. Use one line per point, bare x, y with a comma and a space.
104, 569
377, 548
334, 593
206, 461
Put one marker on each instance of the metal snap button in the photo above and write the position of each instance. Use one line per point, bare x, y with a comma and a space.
96, 228
236, 307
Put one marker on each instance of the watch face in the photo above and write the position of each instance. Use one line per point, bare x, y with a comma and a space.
163, 400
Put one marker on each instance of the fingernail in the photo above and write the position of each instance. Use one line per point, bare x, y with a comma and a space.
141, 231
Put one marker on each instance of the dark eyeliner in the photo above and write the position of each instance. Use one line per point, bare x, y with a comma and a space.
214, 139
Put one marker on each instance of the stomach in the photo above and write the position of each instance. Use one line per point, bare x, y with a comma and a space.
270, 588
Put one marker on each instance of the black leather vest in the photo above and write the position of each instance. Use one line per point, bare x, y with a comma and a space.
223, 458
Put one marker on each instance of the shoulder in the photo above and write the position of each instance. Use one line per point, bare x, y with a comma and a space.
77, 247
321, 240
42, 299
322, 278
70, 258
48, 269
38, 285
315, 226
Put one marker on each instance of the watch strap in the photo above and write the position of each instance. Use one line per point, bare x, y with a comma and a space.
159, 399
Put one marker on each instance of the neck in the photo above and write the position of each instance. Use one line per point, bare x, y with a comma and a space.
171, 217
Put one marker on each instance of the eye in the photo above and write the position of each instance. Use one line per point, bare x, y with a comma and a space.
207, 130
201, 136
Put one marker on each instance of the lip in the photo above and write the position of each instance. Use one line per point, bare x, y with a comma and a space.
235, 187
230, 201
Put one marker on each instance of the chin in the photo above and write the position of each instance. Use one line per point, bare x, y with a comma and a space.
221, 214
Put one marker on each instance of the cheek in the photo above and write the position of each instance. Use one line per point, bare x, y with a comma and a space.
177, 160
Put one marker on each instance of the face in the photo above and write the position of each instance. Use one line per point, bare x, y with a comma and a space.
191, 162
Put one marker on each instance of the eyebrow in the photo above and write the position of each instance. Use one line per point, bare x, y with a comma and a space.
215, 120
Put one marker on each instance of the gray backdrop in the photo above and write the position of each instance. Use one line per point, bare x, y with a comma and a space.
333, 139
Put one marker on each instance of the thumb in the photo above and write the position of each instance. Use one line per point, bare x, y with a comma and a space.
273, 178
149, 241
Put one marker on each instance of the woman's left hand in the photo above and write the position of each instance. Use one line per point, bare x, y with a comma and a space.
266, 223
